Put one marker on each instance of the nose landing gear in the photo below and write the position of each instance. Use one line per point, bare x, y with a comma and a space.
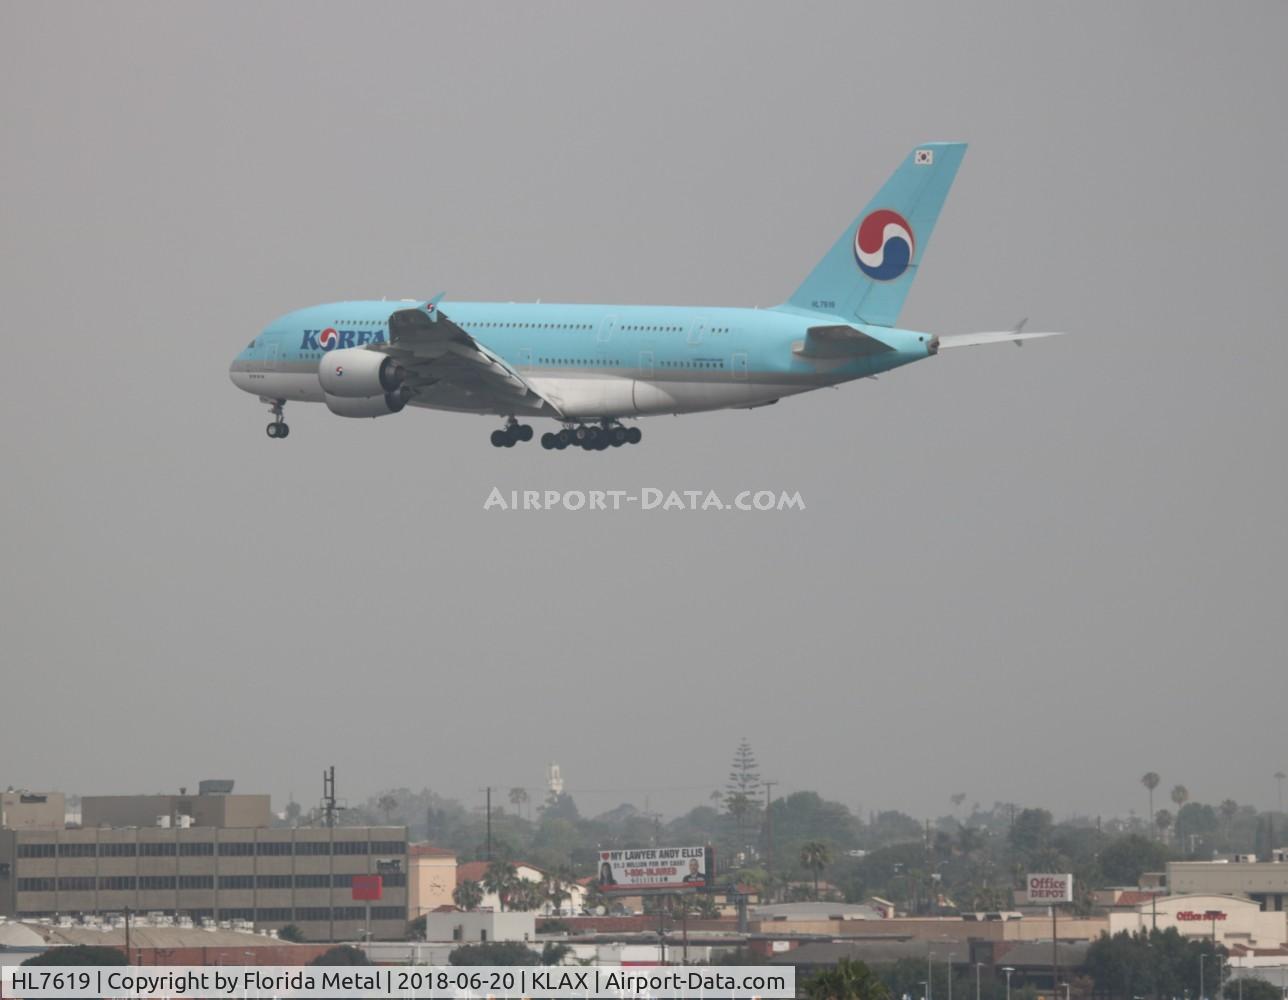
278, 428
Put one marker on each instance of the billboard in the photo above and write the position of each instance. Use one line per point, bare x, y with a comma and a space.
652, 869
1046, 888
368, 887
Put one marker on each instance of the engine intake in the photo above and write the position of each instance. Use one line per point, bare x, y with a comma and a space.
356, 373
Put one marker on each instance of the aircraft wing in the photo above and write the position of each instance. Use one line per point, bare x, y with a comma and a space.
446, 366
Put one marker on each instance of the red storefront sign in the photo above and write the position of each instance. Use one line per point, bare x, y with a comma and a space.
367, 887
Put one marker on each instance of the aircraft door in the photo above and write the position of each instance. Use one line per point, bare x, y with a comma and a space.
272, 350
697, 331
525, 358
740, 366
606, 327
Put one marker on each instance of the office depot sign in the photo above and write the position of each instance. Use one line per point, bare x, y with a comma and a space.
1050, 888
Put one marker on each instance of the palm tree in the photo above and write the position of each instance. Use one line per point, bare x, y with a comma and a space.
554, 887
957, 799
500, 878
468, 895
518, 797
1150, 780
387, 804
815, 856
1162, 820
525, 896
847, 980
1180, 795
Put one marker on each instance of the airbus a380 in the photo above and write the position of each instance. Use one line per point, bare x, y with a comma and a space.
591, 367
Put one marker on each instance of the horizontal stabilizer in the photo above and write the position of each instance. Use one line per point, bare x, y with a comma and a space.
998, 337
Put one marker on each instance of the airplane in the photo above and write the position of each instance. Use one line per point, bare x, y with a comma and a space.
592, 367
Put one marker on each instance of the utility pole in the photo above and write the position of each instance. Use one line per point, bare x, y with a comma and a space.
769, 829
489, 822
1055, 949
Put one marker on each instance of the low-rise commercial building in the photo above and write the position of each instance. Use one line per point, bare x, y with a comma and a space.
270, 877
1227, 920
1266, 881
23, 810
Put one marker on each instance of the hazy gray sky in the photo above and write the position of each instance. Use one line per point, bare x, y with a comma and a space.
1025, 574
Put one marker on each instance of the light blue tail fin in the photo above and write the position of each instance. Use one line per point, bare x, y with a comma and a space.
866, 275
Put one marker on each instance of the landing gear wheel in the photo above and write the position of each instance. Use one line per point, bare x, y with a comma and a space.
617, 436
548, 441
524, 432
565, 438
278, 428
633, 435
500, 439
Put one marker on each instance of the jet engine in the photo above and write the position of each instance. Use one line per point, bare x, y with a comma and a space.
356, 373
368, 406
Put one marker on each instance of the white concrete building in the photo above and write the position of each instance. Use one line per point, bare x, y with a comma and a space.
1230, 920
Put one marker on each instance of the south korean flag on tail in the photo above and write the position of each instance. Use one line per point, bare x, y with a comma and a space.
924, 157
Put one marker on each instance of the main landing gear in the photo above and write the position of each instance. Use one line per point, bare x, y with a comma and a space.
512, 431
609, 434
278, 428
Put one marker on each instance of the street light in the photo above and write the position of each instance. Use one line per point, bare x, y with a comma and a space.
950, 976
978, 966
1201, 959
1008, 970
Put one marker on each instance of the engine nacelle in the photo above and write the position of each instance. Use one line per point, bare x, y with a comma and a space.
368, 406
356, 373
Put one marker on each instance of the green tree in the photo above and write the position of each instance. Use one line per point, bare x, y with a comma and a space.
1031, 832
1180, 795
79, 954
1163, 820
847, 980
815, 856
743, 788
1252, 989
499, 879
292, 933
342, 954
1150, 780
387, 804
468, 895
554, 952
1124, 859
494, 953
518, 798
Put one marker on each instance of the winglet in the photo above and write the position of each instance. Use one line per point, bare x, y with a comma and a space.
431, 307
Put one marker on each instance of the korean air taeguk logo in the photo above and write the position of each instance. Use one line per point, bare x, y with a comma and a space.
883, 245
